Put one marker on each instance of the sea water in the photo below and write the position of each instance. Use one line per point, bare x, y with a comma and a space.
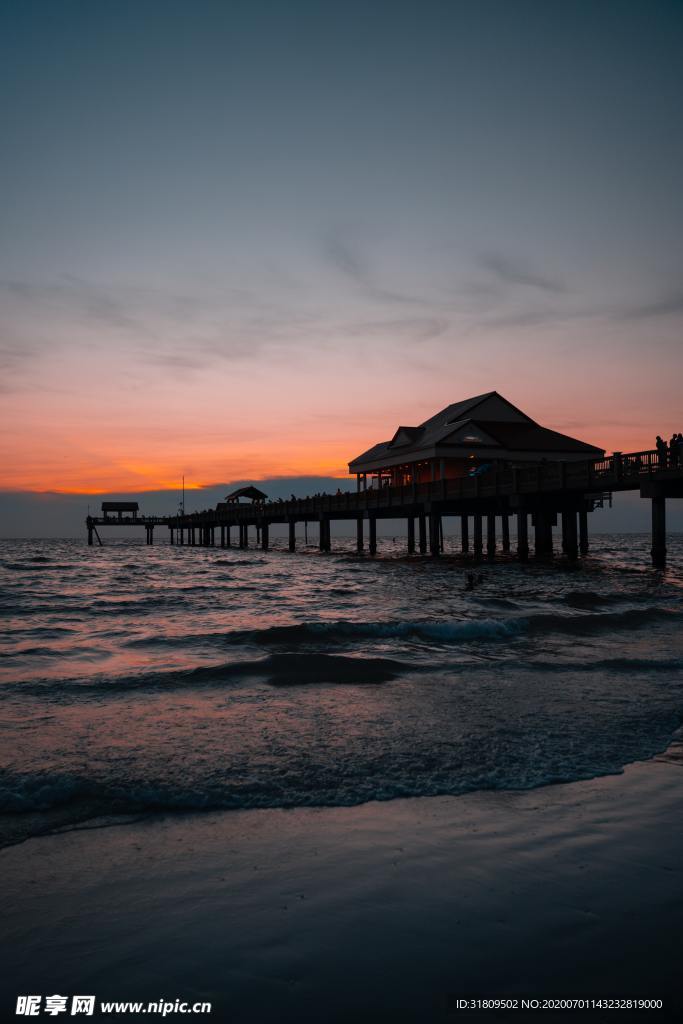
138, 679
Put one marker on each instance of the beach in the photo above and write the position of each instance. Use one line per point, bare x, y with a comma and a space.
310, 787
384, 911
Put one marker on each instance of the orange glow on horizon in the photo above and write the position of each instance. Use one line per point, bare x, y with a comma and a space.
92, 431
103, 473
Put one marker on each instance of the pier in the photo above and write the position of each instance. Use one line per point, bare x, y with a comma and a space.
538, 497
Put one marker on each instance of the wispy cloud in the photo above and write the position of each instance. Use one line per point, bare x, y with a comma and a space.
669, 304
343, 257
512, 271
411, 328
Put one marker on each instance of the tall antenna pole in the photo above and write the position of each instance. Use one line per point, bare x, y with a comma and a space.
183, 495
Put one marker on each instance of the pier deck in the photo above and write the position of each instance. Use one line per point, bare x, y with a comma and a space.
543, 491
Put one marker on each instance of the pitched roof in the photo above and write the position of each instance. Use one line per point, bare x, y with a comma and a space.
246, 492
501, 425
531, 437
120, 506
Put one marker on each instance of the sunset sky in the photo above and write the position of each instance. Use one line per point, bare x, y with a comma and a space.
242, 240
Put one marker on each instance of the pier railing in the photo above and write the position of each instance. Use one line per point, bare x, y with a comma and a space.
619, 471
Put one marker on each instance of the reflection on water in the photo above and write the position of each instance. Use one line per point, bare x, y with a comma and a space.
136, 677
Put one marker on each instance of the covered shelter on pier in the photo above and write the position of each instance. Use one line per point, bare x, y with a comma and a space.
250, 493
121, 508
467, 437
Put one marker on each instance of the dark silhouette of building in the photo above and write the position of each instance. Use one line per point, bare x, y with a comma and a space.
467, 437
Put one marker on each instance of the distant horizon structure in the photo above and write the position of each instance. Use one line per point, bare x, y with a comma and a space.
484, 431
250, 493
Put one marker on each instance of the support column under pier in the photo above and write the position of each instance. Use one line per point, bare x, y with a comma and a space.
422, 528
583, 531
543, 535
359, 533
490, 536
505, 523
659, 532
522, 536
372, 531
292, 535
411, 535
570, 543
264, 536
434, 534
478, 536
464, 534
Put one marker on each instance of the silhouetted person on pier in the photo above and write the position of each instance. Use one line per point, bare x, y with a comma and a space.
673, 450
660, 445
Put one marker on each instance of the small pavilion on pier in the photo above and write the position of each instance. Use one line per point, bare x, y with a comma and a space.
465, 438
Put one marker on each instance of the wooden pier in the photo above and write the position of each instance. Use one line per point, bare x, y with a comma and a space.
538, 496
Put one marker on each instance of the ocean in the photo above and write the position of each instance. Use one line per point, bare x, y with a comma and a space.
141, 679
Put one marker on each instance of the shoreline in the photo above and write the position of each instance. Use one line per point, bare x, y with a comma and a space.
66, 818
384, 910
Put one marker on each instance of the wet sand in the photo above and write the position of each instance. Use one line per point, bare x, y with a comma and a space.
382, 912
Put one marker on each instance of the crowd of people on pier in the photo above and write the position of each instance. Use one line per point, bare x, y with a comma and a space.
670, 454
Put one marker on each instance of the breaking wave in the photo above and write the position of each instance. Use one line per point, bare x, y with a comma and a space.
448, 633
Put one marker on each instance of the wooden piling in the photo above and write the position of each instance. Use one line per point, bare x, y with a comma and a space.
372, 530
411, 535
434, 525
543, 534
292, 535
359, 534
478, 536
505, 524
491, 535
659, 531
583, 531
464, 534
570, 544
422, 529
522, 536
